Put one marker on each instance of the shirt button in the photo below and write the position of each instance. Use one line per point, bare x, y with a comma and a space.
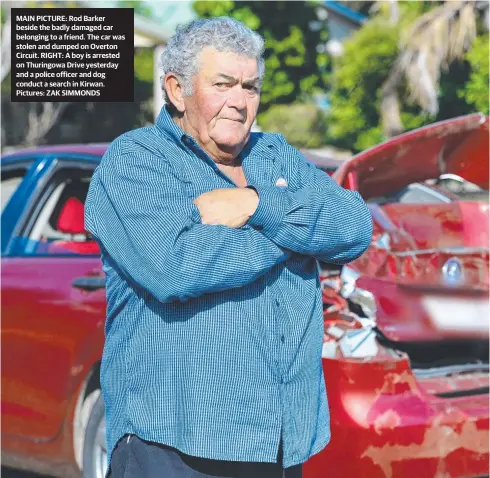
283, 339
278, 303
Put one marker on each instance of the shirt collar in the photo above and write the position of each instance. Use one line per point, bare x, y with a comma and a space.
169, 126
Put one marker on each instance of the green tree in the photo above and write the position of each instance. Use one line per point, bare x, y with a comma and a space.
295, 68
353, 119
429, 46
140, 8
475, 90
360, 77
302, 124
143, 63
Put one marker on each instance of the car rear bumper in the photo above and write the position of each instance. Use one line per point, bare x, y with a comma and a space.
385, 425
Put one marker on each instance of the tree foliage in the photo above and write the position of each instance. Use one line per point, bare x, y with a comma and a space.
139, 7
30, 123
302, 124
358, 75
295, 69
475, 90
354, 120
429, 46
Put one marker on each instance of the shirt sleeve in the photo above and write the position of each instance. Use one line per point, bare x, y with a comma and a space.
139, 212
320, 218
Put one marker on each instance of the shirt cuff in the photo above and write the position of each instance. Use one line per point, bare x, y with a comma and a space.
271, 209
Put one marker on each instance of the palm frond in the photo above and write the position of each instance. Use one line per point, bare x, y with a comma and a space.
434, 41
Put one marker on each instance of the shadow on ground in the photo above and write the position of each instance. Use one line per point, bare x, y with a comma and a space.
9, 473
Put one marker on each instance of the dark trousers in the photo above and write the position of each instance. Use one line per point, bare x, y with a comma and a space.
136, 458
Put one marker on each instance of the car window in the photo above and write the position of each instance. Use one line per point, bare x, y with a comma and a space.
328, 170
58, 227
415, 193
420, 194
462, 188
11, 180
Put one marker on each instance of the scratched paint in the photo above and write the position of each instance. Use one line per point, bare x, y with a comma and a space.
439, 441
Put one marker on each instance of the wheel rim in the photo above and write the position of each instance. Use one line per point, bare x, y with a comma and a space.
100, 451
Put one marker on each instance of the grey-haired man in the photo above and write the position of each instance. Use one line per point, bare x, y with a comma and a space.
209, 237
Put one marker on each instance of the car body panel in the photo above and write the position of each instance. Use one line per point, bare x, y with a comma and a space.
46, 318
413, 241
52, 332
406, 315
407, 422
458, 146
387, 419
391, 420
421, 238
400, 430
441, 226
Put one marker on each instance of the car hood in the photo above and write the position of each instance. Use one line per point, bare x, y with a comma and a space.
458, 146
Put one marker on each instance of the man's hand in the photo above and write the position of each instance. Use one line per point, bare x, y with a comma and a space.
231, 207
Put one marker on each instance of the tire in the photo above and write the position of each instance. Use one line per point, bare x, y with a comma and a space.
95, 448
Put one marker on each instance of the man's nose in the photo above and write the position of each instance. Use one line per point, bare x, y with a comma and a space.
237, 98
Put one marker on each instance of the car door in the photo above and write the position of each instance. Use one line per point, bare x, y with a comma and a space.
53, 305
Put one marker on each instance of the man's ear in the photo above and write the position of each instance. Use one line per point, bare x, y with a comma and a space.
175, 91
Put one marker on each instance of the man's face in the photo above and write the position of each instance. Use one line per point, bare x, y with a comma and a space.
225, 100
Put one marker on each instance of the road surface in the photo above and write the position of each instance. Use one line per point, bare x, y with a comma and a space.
8, 473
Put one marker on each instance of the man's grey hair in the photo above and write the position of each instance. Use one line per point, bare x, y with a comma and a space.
224, 34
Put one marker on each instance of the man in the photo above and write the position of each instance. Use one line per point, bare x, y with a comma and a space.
209, 237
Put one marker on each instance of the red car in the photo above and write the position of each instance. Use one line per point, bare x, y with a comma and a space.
407, 324
407, 383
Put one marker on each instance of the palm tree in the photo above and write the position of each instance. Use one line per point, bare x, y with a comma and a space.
436, 39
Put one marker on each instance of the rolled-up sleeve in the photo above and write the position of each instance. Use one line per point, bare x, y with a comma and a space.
138, 211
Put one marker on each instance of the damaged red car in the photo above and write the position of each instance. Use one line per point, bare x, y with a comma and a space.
407, 325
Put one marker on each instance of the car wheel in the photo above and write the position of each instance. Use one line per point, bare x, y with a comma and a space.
95, 448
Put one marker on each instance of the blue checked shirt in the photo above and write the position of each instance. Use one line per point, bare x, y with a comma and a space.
214, 334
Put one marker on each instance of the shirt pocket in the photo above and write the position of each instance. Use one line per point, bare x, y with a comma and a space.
283, 177
286, 175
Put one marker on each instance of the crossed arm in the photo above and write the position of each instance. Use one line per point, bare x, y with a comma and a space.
177, 249
320, 219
